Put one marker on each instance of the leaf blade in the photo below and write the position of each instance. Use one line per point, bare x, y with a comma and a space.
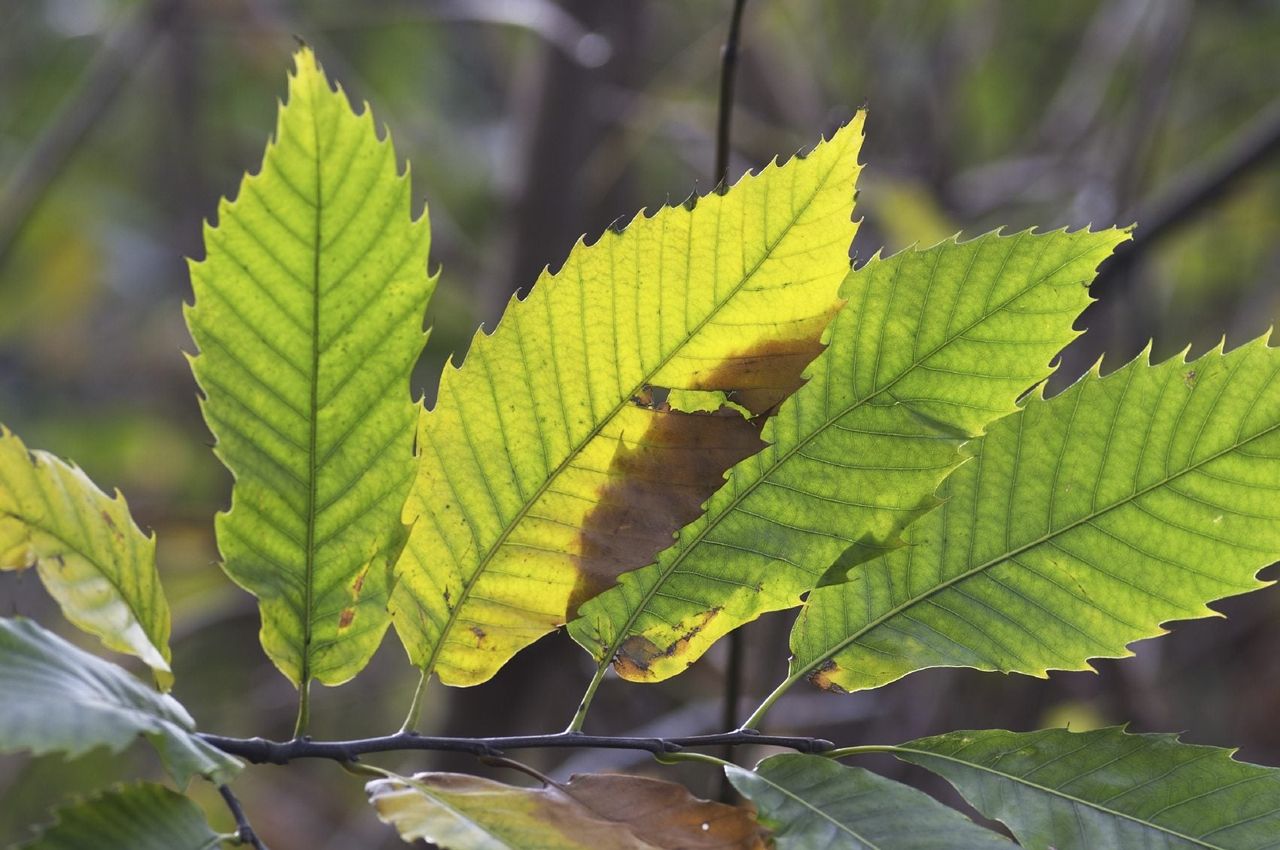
87, 550
1125, 789
540, 483
308, 319
878, 419
460, 812
812, 801
1176, 489
55, 697
142, 816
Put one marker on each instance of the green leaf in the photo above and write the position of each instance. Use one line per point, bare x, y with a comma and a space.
55, 697
308, 316
459, 812
1079, 526
547, 465
88, 551
932, 346
1085, 790
137, 817
812, 801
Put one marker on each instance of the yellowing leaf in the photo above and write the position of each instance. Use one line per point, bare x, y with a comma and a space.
308, 315
590, 812
546, 468
88, 551
932, 346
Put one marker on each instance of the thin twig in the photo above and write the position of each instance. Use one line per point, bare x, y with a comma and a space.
728, 73
263, 751
724, 127
244, 832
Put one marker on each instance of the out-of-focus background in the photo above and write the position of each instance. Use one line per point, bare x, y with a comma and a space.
529, 123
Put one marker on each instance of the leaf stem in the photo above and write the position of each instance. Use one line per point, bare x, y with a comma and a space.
672, 758
865, 749
756, 716
415, 707
304, 710
580, 716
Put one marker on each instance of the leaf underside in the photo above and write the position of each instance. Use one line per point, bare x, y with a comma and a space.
815, 802
548, 466
931, 347
87, 550
307, 314
1084, 790
55, 697
459, 812
1081, 524
138, 817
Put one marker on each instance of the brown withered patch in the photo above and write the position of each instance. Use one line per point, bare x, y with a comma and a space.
822, 677
762, 376
637, 653
345, 618
654, 489
665, 815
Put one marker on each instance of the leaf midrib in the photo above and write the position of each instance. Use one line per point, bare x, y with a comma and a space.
1058, 793
1015, 552
309, 556
714, 522
479, 570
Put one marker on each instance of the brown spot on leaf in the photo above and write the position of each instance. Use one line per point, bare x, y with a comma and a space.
479, 633
762, 376
637, 653
822, 677
345, 618
665, 815
655, 488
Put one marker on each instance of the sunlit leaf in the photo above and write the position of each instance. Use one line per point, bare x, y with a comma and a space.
1085, 790
1081, 525
308, 315
932, 346
88, 551
55, 697
549, 464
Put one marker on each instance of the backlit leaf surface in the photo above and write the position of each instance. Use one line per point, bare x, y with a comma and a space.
308, 315
932, 346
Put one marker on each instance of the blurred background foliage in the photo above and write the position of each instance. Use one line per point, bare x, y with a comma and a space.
530, 123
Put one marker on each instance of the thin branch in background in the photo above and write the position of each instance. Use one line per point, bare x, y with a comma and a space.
1204, 184
728, 74
724, 127
96, 90
244, 832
